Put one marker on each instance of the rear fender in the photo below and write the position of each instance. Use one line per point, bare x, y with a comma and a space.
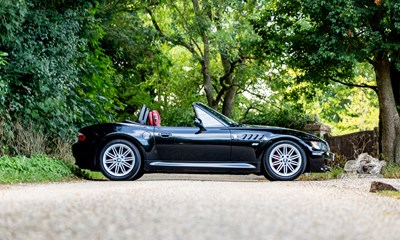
144, 142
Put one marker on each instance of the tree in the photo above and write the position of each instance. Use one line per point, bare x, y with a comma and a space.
134, 52
324, 40
217, 34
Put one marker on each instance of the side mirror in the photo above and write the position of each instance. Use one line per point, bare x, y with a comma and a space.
198, 123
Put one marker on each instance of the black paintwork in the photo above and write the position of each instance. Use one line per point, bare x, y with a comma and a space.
237, 149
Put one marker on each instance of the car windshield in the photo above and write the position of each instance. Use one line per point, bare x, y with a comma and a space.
220, 116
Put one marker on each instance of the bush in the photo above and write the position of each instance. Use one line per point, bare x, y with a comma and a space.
183, 117
55, 74
287, 117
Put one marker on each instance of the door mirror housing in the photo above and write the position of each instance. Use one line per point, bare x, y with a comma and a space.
198, 123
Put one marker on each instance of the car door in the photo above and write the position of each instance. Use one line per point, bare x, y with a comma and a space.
190, 144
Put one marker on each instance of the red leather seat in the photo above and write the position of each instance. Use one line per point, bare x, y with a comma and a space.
154, 118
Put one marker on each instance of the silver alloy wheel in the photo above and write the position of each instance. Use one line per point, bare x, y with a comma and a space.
118, 159
285, 160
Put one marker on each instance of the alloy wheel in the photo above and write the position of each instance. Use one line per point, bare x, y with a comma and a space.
285, 160
118, 160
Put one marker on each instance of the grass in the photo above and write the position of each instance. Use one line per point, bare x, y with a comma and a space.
38, 168
321, 176
392, 170
92, 175
392, 194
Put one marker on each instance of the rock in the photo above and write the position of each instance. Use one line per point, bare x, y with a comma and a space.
381, 186
364, 165
351, 166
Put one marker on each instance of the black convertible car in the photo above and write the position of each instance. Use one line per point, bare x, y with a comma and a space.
127, 150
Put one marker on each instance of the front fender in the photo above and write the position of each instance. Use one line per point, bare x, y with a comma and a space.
265, 144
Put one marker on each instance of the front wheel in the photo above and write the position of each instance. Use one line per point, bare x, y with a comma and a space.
284, 161
120, 160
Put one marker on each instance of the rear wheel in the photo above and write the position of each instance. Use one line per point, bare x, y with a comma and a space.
120, 160
284, 161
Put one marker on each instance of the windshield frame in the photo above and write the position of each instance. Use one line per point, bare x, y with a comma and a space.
217, 115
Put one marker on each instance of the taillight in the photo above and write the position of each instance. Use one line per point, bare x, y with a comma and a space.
81, 137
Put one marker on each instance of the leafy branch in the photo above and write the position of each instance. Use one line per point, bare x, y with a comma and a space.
177, 41
362, 85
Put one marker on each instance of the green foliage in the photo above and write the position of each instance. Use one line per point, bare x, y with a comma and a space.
57, 75
325, 40
69, 63
49, 44
272, 102
90, 175
95, 97
178, 116
38, 168
333, 41
3, 58
138, 59
12, 14
217, 36
349, 110
284, 116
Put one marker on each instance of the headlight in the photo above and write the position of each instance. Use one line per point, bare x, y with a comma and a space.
319, 145
315, 145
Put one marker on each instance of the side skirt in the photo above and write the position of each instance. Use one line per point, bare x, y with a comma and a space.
201, 167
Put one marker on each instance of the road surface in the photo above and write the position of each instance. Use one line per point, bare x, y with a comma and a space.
162, 206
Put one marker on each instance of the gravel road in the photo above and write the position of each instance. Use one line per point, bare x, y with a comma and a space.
162, 206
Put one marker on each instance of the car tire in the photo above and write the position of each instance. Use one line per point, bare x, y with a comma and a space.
267, 176
138, 175
120, 160
284, 161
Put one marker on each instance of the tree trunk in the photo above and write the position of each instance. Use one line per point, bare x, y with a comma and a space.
229, 101
228, 85
205, 69
205, 61
389, 116
395, 77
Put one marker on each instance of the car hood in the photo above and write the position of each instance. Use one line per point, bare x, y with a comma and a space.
279, 130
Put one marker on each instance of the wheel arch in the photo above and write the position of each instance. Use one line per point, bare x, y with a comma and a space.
264, 148
114, 136
267, 170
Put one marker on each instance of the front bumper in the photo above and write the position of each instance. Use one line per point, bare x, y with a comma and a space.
320, 161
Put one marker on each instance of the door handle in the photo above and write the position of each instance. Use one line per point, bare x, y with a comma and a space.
166, 135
